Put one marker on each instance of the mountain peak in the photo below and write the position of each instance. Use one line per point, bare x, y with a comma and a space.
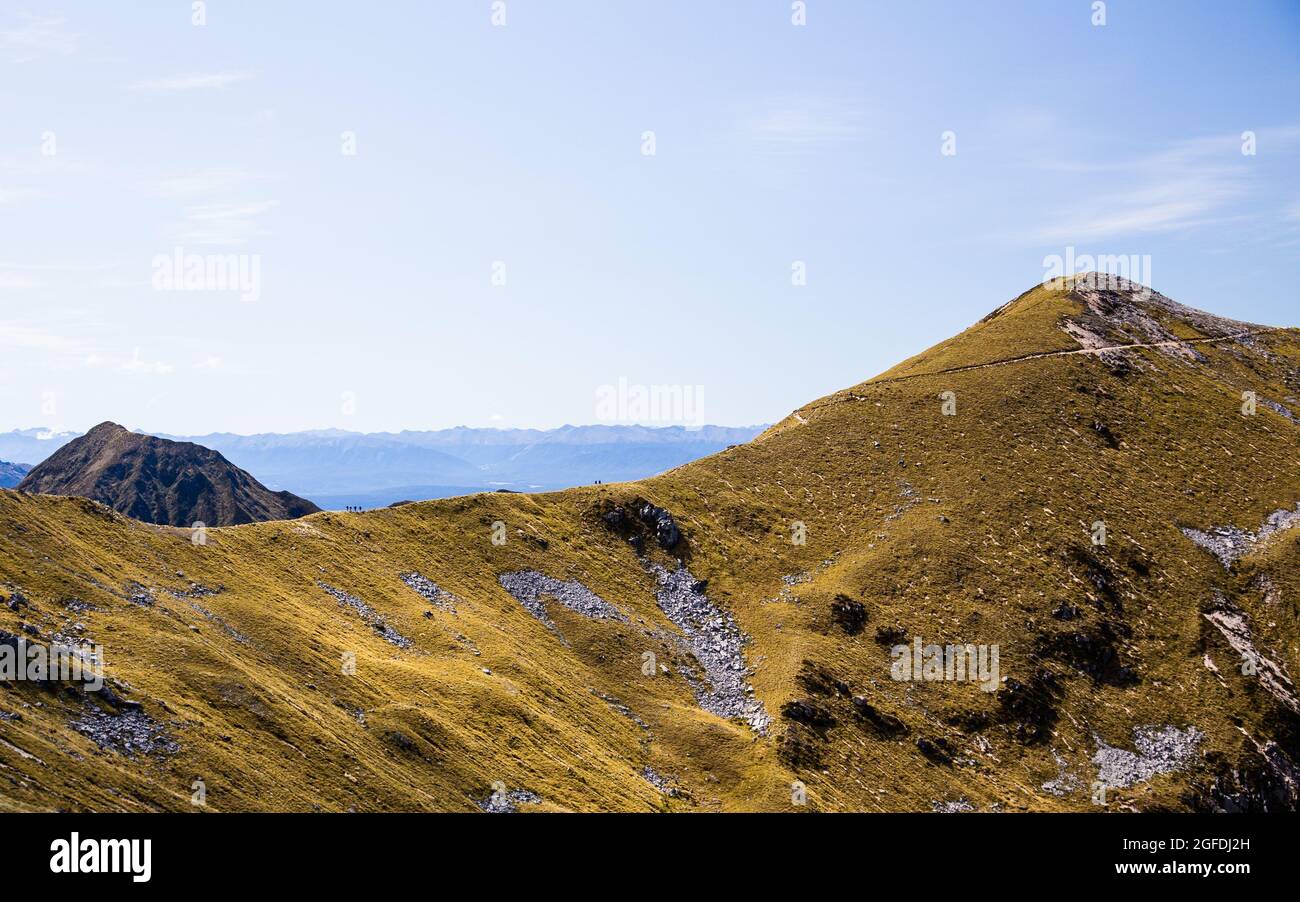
1089, 313
107, 431
159, 481
108, 426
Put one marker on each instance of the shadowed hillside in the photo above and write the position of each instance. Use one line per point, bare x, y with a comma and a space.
1099, 486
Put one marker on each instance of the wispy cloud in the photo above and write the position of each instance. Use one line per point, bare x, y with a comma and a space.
202, 183
222, 223
15, 334
215, 214
19, 276
13, 195
72, 343
37, 36
1192, 183
1165, 203
802, 124
194, 81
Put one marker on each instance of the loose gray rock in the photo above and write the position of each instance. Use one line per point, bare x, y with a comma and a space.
713, 638
955, 806
621, 708
1233, 623
529, 586
431, 592
1159, 750
1065, 782
659, 782
130, 732
1231, 543
139, 596
507, 802
1281, 409
369, 615
219, 621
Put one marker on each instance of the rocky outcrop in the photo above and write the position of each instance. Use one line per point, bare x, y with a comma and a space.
1231, 543
1234, 625
642, 520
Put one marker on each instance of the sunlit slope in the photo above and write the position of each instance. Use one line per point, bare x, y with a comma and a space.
975, 527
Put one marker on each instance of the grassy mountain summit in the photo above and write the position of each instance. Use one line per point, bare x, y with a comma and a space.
159, 481
1094, 489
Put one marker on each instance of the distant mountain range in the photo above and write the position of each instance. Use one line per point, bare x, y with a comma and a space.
159, 481
336, 468
11, 474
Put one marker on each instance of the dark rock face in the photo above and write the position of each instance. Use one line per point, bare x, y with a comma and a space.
809, 714
849, 614
160, 481
891, 635
1263, 780
641, 520
818, 680
1106, 435
936, 751
800, 747
1092, 651
883, 725
1065, 611
1030, 707
666, 532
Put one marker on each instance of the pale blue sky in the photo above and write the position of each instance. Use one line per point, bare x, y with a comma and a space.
523, 144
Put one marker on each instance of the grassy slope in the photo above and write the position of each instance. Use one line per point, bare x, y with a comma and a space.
990, 537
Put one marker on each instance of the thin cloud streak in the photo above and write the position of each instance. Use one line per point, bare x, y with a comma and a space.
38, 36
802, 124
1191, 184
196, 81
223, 224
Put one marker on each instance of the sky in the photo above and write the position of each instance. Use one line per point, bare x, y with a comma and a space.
506, 214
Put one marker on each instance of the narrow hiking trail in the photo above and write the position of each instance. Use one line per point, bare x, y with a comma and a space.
1177, 342
1025, 358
